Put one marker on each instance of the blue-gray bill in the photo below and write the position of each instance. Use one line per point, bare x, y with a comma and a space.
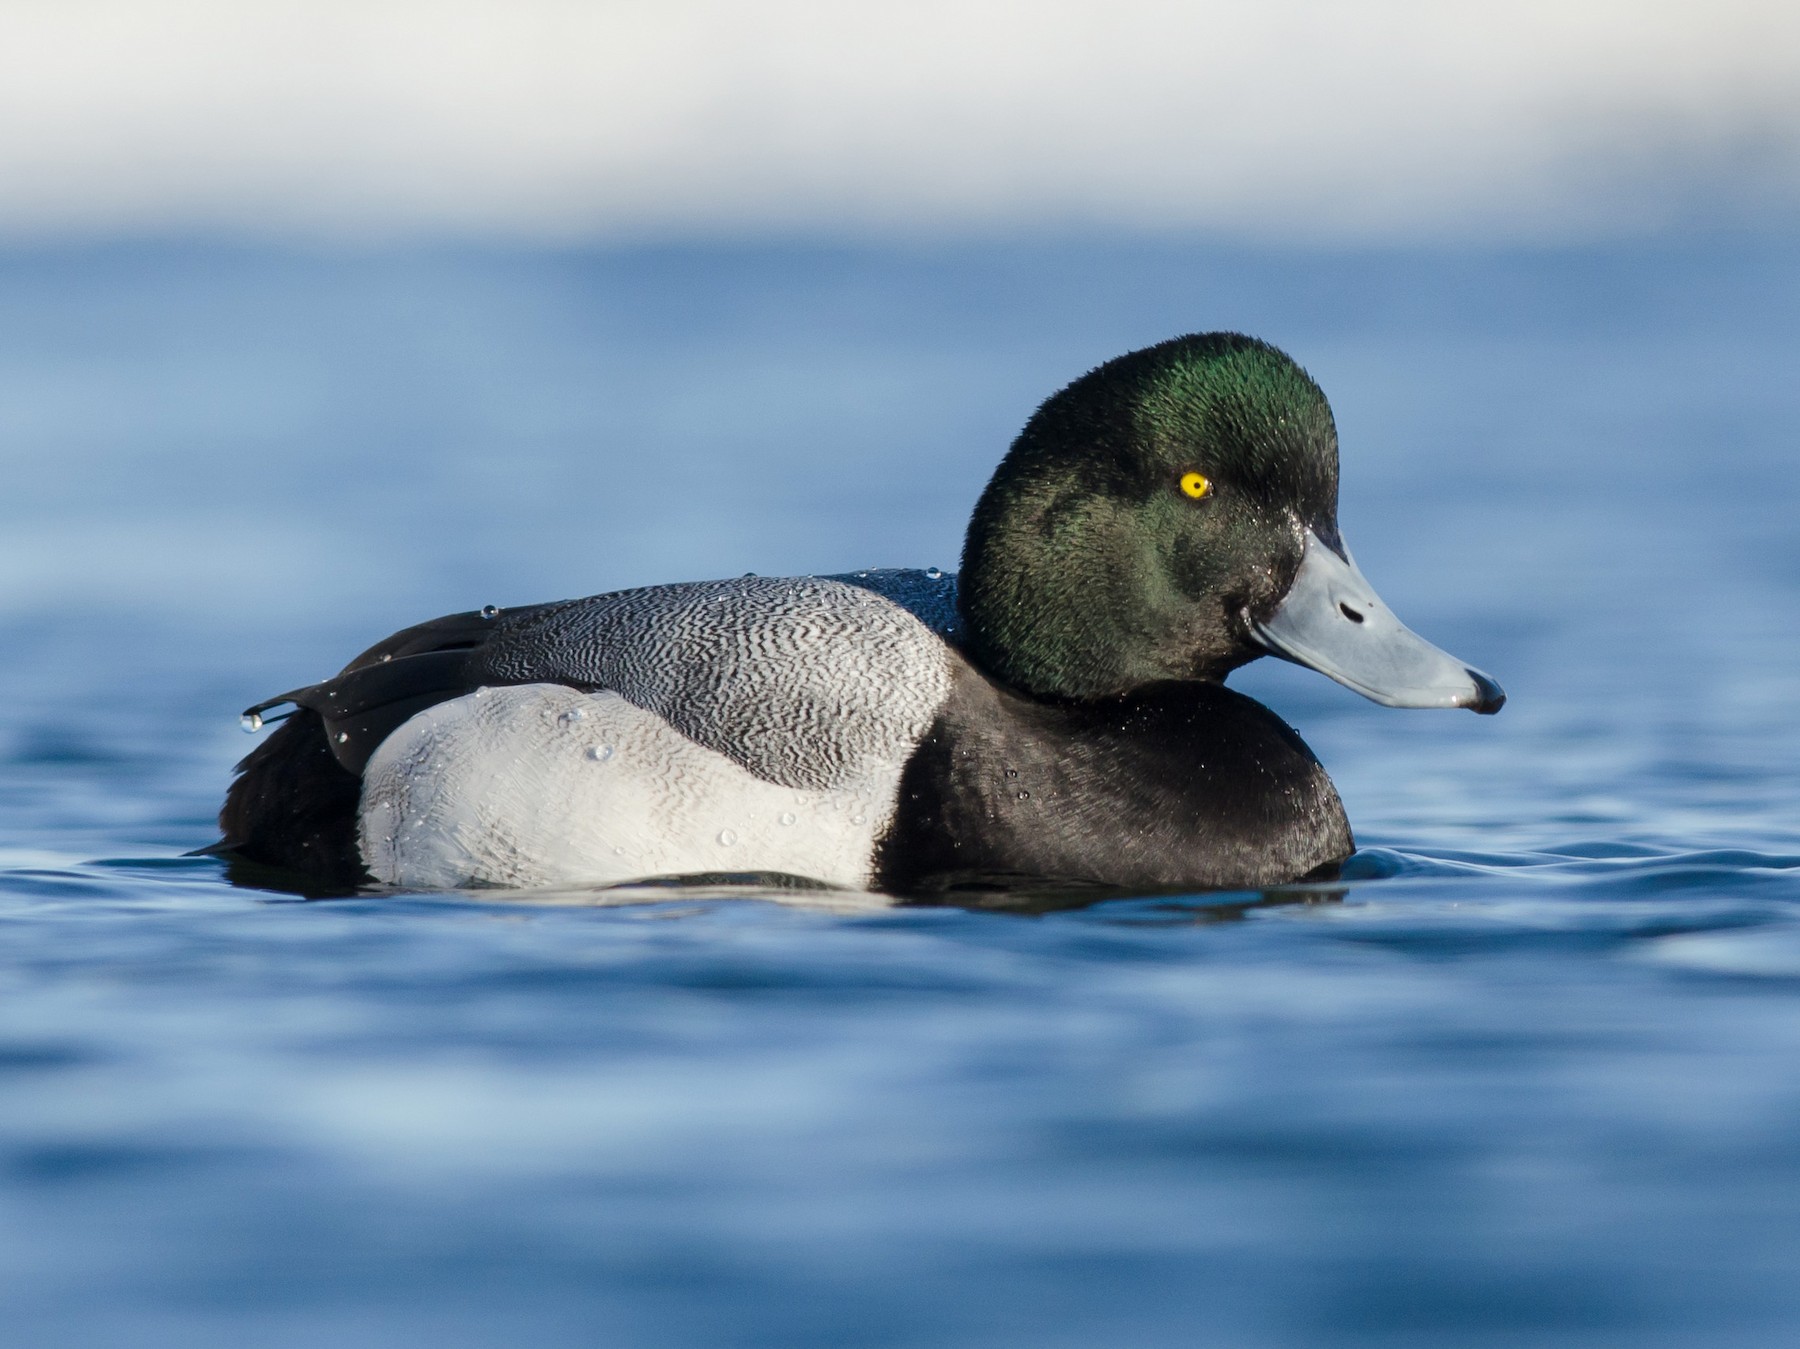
1332, 621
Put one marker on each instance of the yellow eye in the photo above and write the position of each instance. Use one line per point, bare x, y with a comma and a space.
1196, 485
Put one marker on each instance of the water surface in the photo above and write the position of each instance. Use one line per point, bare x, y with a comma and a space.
1529, 1078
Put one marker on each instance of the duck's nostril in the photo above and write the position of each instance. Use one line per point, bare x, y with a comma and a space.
1350, 613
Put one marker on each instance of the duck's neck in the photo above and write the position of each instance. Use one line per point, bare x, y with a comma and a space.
1061, 596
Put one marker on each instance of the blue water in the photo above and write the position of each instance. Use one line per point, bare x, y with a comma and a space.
1529, 1079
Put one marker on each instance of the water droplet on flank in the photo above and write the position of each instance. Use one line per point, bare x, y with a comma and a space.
343, 737
787, 817
858, 819
599, 753
251, 723
934, 574
386, 657
1012, 772
1024, 796
573, 714
726, 838
618, 852
490, 611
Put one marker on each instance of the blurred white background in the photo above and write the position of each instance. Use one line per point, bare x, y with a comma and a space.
630, 119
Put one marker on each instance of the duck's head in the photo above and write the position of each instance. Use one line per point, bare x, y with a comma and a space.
1172, 515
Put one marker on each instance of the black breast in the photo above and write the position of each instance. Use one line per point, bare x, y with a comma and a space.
1177, 786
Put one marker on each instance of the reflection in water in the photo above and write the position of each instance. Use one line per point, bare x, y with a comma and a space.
1020, 895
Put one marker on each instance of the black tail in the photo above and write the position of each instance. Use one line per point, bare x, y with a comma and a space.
294, 806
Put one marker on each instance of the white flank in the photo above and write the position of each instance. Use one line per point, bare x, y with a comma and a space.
540, 784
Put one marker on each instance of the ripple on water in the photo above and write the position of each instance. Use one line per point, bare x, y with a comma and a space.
1525, 1076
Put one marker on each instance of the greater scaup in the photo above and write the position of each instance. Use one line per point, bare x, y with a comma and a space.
1056, 713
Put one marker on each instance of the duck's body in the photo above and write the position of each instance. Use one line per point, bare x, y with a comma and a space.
826, 728
1061, 718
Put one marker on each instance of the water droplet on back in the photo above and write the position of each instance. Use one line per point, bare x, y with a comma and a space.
572, 714
934, 574
787, 817
727, 838
251, 723
343, 737
599, 753
858, 819
1024, 796
490, 611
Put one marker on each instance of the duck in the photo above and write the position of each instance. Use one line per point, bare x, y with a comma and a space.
1054, 713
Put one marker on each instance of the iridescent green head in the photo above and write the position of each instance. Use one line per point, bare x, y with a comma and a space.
1142, 513
1150, 524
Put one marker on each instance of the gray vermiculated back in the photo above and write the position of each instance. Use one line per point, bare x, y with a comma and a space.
805, 681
